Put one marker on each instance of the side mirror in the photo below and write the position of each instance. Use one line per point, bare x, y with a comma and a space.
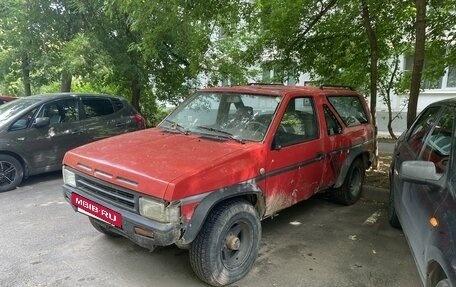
41, 122
420, 172
275, 143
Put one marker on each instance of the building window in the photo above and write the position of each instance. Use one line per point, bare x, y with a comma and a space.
451, 81
426, 84
436, 84
266, 75
291, 81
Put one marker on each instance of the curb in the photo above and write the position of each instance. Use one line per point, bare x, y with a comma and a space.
375, 194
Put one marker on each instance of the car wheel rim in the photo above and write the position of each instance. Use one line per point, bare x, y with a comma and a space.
355, 183
237, 245
7, 173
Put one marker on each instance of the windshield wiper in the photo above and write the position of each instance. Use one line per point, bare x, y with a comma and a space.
177, 127
225, 133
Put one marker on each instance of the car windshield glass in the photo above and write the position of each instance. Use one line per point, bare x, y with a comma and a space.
230, 115
10, 109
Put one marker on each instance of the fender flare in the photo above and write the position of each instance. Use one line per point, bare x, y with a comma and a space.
355, 152
213, 198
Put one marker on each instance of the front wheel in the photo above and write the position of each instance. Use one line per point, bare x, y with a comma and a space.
227, 245
11, 172
351, 189
392, 215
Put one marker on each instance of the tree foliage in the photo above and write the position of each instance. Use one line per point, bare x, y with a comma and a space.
153, 51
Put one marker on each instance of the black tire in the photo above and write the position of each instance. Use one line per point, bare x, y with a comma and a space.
101, 228
443, 283
392, 215
350, 191
11, 172
227, 245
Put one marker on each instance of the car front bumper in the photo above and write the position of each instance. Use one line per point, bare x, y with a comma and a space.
159, 234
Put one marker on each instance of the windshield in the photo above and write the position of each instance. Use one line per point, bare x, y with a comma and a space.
232, 115
12, 108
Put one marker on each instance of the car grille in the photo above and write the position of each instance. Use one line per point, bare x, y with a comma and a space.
107, 192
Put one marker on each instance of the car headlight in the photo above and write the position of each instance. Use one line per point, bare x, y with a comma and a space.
159, 211
69, 177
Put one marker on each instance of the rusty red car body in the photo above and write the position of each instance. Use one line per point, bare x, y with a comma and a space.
315, 141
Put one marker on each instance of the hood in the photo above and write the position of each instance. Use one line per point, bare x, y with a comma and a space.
153, 162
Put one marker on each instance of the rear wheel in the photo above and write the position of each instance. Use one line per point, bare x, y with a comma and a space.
100, 227
351, 189
227, 245
11, 172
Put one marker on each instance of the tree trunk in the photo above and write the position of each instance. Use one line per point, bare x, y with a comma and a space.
135, 94
390, 126
418, 60
65, 83
388, 99
373, 73
25, 66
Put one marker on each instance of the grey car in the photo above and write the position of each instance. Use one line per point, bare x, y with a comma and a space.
36, 131
423, 192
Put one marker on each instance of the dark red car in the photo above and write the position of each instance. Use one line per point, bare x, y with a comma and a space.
5, 99
220, 163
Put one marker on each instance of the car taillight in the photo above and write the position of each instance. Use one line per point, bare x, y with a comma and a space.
139, 120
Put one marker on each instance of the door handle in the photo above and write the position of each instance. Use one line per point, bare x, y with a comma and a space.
319, 156
73, 132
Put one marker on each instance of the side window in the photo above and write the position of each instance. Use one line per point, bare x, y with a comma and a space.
332, 125
118, 105
298, 123
438, 145
96, 107
421, 127
62, 111
350, 109
23, 122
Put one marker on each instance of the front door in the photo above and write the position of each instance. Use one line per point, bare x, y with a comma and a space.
47, 145
427, 201
295, 162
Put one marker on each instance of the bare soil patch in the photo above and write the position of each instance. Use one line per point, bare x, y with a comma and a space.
379, 178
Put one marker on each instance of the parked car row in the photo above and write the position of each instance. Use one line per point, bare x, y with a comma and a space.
226, 159
36, 131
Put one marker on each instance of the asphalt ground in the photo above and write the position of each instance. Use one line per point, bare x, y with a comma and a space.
315, 243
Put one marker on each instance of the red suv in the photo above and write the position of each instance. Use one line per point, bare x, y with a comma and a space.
225, 159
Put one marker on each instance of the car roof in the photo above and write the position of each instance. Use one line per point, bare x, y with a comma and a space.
282, 90
451, 102
52, 96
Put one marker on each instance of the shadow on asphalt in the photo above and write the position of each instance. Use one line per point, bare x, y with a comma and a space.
34, 179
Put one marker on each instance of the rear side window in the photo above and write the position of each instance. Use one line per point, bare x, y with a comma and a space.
350, 109
332, 125
97, 107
